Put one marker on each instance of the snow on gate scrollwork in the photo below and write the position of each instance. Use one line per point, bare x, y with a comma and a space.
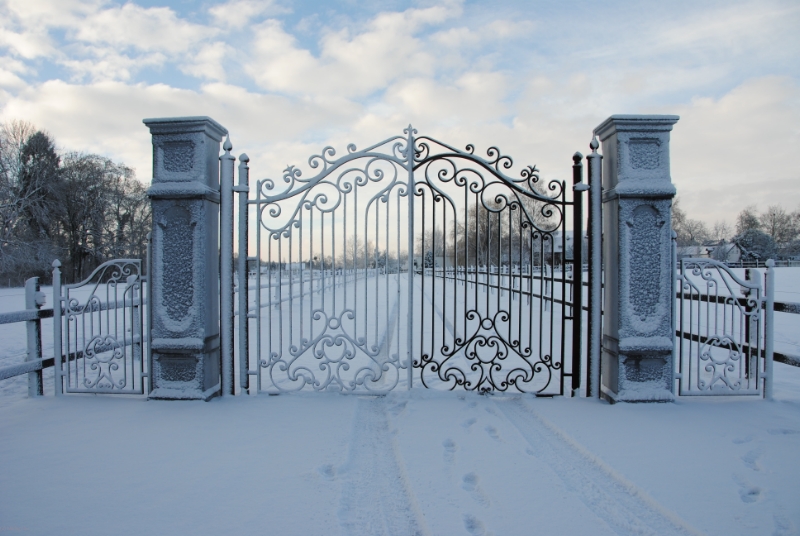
432, 254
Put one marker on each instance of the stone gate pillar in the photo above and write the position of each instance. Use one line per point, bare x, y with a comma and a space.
638, 330
184, 345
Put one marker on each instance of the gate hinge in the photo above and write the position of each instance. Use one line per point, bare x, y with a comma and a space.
241, 188
581, 187
678, 376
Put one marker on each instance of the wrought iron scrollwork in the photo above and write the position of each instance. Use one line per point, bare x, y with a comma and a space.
333, 286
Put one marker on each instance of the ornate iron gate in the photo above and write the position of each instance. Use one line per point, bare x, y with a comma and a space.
410, 263
99, 330
722, 321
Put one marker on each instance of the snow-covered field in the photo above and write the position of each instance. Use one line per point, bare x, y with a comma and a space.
407, 463
421, 462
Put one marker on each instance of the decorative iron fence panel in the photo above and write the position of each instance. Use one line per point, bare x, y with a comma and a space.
409, 263
100, 327
722, 345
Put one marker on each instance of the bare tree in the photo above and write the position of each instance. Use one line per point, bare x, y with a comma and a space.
747, 219
721, 231
779, 224
690, 232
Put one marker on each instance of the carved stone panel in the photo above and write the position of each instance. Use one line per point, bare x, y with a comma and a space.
178, 156
645, 261
177, 256
645, 153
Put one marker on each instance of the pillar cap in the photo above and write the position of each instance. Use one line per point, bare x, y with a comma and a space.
178, 125
639, 123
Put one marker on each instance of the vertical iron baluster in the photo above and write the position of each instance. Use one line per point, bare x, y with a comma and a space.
410, 168
434, 202
578, 187
423, 278
243, 188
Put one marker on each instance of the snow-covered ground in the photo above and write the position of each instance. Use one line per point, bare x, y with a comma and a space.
407, 463
421, 462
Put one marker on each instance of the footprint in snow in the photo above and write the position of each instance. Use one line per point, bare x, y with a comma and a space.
492, 431
469, 422
751, 459
450, 449
327, 471
782, 431
397, 409
470, 483
750, 494
474, 525
747, 492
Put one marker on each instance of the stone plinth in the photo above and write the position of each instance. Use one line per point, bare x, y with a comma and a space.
184, 194
638, 330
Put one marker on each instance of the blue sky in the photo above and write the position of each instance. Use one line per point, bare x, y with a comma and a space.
533, 78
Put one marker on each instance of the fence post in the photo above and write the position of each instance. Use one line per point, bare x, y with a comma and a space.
34, 299
595, 271
57, 381
638, 329
769, 329
226, 163
185, 197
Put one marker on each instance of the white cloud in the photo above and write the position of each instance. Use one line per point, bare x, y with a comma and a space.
25, 24
241, 13
738, 150
150, 29
496, 30
209, 62
350, 64
106, 118
105, 63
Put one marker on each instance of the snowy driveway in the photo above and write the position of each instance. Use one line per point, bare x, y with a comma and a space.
425, 462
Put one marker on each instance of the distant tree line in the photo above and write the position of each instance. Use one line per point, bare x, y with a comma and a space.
80, 208
774, 233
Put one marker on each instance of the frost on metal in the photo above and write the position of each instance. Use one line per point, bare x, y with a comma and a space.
185, 198
638, 330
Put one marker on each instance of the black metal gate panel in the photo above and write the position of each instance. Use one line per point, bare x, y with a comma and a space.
413, 264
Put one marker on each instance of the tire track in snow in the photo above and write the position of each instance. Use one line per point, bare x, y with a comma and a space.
376, 496
626, 508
